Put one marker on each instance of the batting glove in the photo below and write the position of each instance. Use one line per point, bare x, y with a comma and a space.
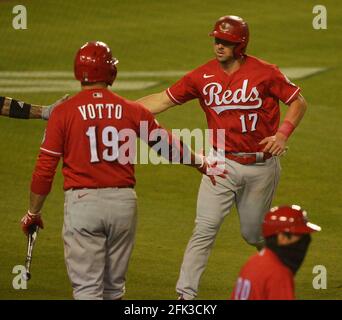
46, 111
29, 220
212, 169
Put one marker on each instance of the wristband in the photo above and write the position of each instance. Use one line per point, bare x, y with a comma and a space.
33, 214
286, 128
19, 110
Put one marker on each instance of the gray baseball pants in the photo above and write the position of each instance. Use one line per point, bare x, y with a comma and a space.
98, 232
251, 188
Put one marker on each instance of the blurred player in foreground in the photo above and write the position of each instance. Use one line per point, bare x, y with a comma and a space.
269, 274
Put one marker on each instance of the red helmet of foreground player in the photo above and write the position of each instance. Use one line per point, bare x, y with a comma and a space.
94, 63
233, 29
290, 219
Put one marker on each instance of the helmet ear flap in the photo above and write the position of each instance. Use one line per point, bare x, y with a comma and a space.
239, 50
113, 72
113, 76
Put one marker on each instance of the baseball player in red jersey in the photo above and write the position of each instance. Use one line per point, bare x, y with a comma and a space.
88, 131
239, 94
269, 274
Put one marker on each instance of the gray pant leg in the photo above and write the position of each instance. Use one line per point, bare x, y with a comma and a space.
84, 247
121, 227
98, 239
213, 204
255, 198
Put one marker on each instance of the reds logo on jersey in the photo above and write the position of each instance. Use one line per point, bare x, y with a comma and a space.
220, 100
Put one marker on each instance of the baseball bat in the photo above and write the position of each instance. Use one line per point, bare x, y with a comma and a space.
31, 239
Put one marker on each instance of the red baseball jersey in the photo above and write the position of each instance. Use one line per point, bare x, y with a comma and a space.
87, 131
264, 277
245, 104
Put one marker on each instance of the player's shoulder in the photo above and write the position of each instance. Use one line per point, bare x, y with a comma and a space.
260, 63
70, 105
71, 100
63, 108
265, 259
207, 67
134, 109
130, 104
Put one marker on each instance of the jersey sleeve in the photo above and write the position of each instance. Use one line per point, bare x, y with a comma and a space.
143, 120
183, 90
53, 140
161, 140
282, 88
148, 118
44, 173
50, 152
280, 286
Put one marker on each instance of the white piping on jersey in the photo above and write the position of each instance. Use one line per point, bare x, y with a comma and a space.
53, 152
173, 98
291, 96
219, 109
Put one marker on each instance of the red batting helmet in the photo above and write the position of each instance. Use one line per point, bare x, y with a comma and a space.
94, 63
290, 219
233, 29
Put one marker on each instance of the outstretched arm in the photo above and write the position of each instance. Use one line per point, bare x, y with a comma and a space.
157, 102
21, 110
174, 150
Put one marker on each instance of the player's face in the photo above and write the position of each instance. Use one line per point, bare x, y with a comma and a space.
284, 240
224, 50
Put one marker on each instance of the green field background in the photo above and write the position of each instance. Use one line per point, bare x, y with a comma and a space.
172, 35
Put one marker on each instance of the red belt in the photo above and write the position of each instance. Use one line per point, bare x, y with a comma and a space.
131, 186
248, 158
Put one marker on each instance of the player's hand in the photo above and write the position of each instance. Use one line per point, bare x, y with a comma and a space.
276, 145
31, 219
46, 111
213, 168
